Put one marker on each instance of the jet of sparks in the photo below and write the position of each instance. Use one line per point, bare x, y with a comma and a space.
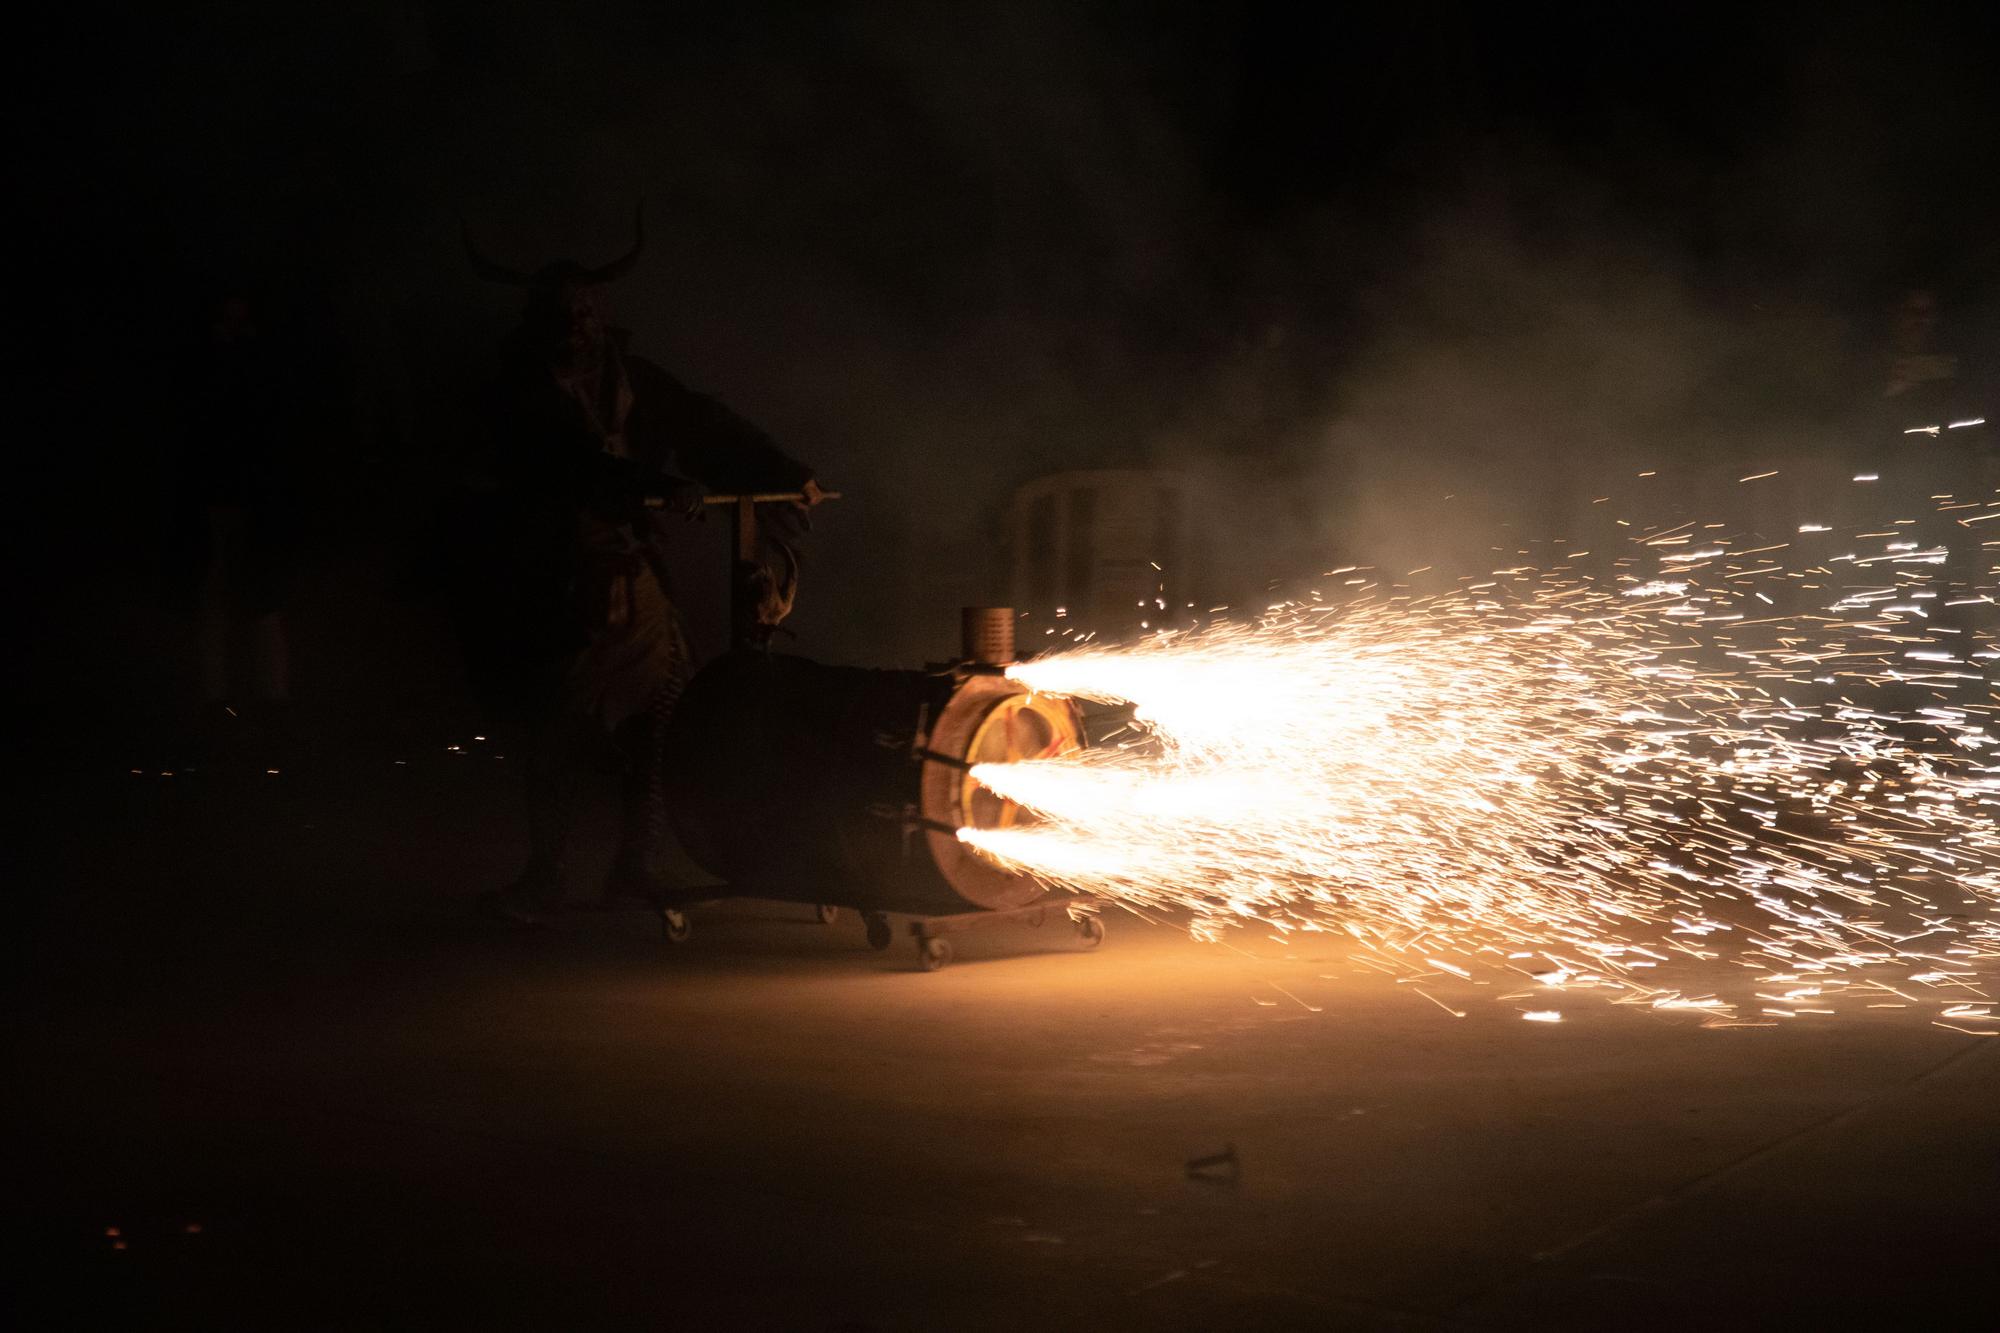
1689, 792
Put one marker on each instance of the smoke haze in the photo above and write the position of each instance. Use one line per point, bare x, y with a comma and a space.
1338, 267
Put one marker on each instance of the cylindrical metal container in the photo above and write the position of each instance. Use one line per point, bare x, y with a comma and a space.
794, 780
988, 634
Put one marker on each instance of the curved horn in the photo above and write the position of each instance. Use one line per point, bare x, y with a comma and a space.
619, 267
485, 267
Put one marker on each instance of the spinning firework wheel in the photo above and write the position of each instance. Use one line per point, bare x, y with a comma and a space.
1019, 727
988, 721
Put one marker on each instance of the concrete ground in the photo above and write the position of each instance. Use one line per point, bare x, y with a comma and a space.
261, 1037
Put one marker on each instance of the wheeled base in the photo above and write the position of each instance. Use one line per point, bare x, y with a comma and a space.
933, 949
675, 926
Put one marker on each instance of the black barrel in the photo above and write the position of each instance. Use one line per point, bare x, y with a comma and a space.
795, 780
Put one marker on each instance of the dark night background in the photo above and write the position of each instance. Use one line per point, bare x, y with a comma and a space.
1331, 257
1336, 261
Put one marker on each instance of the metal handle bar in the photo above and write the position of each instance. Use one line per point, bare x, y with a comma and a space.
762, 497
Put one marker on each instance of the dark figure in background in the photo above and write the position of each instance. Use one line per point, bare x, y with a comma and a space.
585, 434
1923, 442
240, 488
1907, 392
1927, 421
1920, 381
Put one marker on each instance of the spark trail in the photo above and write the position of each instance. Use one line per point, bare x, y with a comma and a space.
1683, 781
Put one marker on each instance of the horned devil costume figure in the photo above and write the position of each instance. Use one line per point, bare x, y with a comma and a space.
585, 436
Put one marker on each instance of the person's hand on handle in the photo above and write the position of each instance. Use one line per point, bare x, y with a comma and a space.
809, 495
678, 495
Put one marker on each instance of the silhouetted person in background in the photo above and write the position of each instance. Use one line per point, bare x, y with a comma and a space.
239, 481
584, 434
1919, 377
1932, 463
1907, 392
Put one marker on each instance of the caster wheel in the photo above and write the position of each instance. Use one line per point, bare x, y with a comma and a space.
674, 925
879, 934
934, 954
828, 914
1091, 930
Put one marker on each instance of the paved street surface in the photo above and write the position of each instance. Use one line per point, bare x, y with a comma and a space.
259, 1006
